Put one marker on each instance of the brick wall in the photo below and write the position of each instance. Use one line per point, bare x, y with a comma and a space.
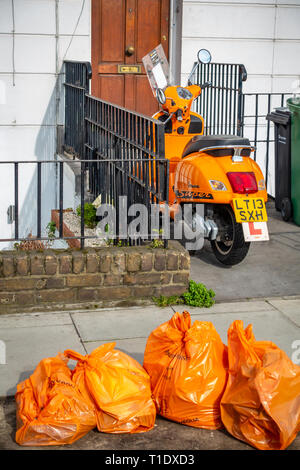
58, 279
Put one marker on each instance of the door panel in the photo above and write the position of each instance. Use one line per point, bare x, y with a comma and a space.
116, 26
112, 85
145, 102
147, 27
112, 30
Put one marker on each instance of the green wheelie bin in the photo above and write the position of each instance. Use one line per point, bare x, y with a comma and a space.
294, 107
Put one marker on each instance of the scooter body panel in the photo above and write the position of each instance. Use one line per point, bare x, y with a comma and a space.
194, 173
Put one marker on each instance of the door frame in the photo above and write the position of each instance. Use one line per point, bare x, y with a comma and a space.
175, 39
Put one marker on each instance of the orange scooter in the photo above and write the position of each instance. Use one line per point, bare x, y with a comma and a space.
213, 170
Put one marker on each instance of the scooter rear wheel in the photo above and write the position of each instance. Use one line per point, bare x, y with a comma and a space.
231, 248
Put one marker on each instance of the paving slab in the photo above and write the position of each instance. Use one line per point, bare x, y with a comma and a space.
120, 324
270, 269
290, 308
166, 435
26, 346
229, 307
134, 347
269, 325
139, 322
30, 320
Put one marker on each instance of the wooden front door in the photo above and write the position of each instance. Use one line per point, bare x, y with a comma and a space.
123, 31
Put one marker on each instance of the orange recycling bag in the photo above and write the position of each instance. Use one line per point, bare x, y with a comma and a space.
261, 403
50, 408
118, 386
187, 365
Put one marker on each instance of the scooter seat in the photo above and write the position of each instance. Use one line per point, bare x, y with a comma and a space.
199, 142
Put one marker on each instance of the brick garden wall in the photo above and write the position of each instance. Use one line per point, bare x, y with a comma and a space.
58, 279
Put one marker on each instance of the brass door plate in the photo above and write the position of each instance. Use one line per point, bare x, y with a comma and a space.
129, 69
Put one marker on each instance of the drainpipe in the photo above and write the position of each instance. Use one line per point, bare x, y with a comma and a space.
274, 43
175, 39
57, 95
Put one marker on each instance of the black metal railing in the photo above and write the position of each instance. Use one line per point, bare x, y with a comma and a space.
77, 84
221, 103
228, 110
119, 178
131, 145
255, 107
113, 132
121, 155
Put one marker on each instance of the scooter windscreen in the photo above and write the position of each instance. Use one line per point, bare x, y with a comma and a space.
157, 69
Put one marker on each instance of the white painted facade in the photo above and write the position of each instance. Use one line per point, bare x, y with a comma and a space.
264, 35
37, 35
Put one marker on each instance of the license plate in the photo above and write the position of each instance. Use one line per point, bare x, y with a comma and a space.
249, 209
255, 231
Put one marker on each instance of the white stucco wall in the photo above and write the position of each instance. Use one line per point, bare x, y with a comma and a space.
30, 85
264, 35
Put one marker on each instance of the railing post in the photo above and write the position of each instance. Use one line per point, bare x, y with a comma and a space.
82, 176
61, 197
267, 143
166, 242
240, 116
16, 166
39, 196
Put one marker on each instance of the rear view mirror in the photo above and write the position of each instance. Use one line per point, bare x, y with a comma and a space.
160, 96
204, 56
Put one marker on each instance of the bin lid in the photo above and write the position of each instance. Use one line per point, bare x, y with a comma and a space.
293, 105
281, 115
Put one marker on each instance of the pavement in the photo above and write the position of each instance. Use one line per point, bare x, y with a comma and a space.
271, 268
263, 290
29, 337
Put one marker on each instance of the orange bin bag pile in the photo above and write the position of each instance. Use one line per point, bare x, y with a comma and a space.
50, 408
261, 403
118, 386
188, 371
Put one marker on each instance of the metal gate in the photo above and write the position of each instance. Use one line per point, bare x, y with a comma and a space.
227, 110
220, 104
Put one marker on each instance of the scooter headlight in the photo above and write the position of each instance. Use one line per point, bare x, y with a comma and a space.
217, 185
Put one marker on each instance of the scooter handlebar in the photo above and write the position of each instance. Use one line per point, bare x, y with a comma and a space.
205, 85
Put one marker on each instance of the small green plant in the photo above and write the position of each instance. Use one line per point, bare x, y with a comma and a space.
89, 214
157, 243
197, 296
51, 227
163, 301
121, 243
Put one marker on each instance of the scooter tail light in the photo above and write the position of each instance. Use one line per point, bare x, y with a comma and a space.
242, 182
